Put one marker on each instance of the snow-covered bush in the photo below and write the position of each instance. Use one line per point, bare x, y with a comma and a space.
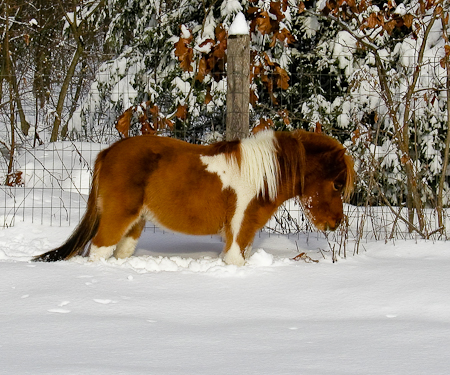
171, 56
373, 74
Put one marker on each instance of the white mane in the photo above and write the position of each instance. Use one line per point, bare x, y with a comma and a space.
258, 165
259, 162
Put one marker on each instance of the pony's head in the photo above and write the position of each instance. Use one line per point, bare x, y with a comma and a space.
327, 180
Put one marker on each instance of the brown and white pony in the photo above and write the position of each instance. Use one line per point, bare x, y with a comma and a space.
231, 188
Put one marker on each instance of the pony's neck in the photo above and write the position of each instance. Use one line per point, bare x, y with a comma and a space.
291, 160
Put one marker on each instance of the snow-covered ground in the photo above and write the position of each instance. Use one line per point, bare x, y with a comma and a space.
176, 308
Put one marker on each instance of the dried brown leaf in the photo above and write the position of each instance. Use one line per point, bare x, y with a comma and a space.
201, 72
263, 23
124, 122
301, 7
408, 20
282, 78
275, 9
181, 112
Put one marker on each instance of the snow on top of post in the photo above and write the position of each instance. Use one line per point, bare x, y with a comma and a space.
239, 25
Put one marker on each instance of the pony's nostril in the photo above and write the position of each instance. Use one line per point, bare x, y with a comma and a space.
332, 225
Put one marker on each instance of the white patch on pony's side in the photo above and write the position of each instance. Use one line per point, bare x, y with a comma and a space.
102, 252
125, 248
259, 165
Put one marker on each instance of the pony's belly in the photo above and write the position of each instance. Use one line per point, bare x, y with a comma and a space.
193, 225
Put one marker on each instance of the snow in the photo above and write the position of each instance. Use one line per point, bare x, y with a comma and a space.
185, 33
175, 307
58, 164
321, 4
206, 48
400, 10
124, 91
239, 25
343, 50
310, 26
229, 7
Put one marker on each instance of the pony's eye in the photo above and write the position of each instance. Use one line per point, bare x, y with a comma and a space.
337, 186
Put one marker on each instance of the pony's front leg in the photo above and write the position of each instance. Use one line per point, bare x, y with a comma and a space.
237, 247
234, 255
239, 241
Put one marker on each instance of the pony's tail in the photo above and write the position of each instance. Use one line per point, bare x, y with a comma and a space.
85, 230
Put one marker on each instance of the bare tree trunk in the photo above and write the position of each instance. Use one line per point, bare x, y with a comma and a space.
414, 200
73, 107
11, 94
9, 175
440, 200
402, 140
440, 192
8, 64
24, 125
2, 69
64, 89
76, 25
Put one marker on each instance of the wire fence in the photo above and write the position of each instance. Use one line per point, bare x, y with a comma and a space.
48, 182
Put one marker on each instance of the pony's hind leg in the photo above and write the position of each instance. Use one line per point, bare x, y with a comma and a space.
110, 232
125, 248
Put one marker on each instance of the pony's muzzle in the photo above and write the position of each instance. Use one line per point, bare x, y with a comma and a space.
332, 225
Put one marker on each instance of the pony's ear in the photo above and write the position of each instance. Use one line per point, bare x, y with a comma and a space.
338, 155
298, 134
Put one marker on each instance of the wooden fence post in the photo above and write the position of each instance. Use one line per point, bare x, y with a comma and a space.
238, 86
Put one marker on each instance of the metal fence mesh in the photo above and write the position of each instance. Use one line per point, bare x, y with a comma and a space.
53, 178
